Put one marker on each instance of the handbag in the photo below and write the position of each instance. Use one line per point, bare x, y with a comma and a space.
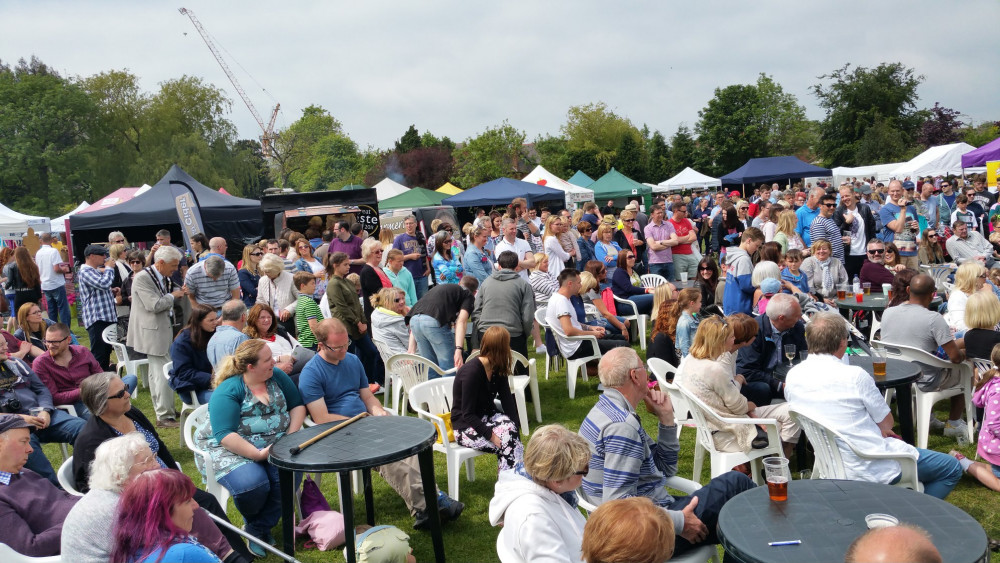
311, 499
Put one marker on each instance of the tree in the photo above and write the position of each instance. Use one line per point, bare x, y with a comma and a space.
122, 114
294, 145
553, 155
428, 140
45, 124
659, 158
494, 153
409, 141
630, 159
856, 100
788, 130
249, 169
941, 128
684, 152
428, 167
732, 128
333, 162
594, 131
979, 135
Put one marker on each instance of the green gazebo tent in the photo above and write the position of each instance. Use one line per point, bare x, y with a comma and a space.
581, 179
614, 185
415, 197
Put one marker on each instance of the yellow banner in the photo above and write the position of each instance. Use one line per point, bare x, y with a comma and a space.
992, 173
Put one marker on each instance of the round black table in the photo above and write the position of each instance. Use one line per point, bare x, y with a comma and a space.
828, 515
875, 302
366, 443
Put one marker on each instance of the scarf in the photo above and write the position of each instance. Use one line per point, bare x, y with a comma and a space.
827, 276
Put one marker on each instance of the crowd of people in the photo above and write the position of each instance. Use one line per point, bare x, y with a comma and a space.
289, 331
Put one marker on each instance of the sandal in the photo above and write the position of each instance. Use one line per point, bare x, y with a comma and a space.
761, 441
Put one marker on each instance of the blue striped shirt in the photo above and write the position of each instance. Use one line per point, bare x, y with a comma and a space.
97, 301
625, 461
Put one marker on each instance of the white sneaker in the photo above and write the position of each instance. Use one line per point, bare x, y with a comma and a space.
936, 424
956, 429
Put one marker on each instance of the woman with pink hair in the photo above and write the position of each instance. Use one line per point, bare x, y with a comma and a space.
155, 517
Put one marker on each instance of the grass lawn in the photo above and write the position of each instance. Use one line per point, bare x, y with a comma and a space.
471, 538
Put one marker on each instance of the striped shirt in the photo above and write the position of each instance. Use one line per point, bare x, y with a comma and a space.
626, 462
207, 291
824, 228
97, 301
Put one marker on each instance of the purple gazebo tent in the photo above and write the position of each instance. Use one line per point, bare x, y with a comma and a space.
979, 157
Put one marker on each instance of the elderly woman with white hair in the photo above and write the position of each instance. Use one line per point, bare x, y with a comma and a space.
536, 503
88, 530
276, 290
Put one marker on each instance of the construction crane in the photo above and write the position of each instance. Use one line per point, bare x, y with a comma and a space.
267, 138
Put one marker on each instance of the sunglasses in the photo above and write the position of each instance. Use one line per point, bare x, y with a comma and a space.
704, 269
586, 469
829, 205
879, 251
256, 254
582, 231
119, 394
627, 220
400, 300
932, 235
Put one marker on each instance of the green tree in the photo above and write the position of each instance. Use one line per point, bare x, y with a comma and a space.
45, 124
630, 159
684, 152
788, 130
553, 155
409, 141
122, 109
333, 164
979, 135
295, 145
494, 153
249, 170
860, 98
594, 131
659, 158
732, 128
429, 140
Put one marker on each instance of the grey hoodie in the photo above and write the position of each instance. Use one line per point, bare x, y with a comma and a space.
506, 300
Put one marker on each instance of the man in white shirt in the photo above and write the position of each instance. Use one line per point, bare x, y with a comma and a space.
525, 257
51, 271
845, 397
856, 219
966, 246
560, 313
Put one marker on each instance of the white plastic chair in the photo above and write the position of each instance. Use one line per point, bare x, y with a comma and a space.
699, 555
722, 462
391, 379
624, 305
428, 399
576, 364
191, 425
125, 364
652, 280
553, 359
324, 307
682, 413
517, 385
71, 410
925, 400
186, 409
8, 555
410, 370
828, 443
65, 477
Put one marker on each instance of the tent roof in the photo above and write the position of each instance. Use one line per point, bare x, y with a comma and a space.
772, 168
411, 198
388, 188
581, 179
59, 223
935, 161
687, 178
15, 223
979, 157
615, 184
449, 189
156, 206
354, 187
501, 191
121, 195
543, 177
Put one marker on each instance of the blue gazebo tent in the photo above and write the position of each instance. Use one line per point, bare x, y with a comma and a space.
501, 191
773, 168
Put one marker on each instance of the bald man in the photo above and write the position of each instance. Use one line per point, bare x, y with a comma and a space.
895, 544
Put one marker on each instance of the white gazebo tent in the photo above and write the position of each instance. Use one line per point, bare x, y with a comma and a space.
881, 172
935, 161
688, 178
574, 194
389, 188
59, 223
13, 223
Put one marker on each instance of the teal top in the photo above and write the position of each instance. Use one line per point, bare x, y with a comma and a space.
233, 408
187, 550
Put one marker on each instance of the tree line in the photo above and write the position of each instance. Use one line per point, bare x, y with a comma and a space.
66, 139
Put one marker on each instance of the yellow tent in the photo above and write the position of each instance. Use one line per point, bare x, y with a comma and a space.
449, 188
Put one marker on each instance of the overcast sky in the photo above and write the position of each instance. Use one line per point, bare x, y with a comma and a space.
457, 67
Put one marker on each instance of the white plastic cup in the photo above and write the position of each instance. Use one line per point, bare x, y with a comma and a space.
684, 277
885, 288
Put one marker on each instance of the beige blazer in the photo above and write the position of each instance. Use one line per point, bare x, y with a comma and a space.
150, 331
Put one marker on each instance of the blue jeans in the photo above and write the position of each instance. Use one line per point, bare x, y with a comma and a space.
57, 303
643, 303
370, 359
434, 342
62, 428
938, 472
420, 284
711, 497
666, 270
203, 396
255, 491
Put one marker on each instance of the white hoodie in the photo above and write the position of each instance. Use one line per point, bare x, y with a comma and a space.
538, 524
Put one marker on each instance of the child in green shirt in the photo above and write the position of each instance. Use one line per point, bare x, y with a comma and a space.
307, 313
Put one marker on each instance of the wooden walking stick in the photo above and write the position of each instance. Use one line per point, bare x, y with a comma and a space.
324, 434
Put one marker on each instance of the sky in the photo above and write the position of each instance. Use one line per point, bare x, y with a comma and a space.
456, 68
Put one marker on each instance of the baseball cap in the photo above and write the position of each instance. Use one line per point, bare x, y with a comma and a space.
908, 185
770, 286
865, 189
13, 421
95, 249
734, 193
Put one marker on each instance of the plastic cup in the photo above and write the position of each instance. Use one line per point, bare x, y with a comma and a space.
841, 293
777, 474
684, 277
886, 288
877, 520
878, 363
803, 355
867, 286
859, 297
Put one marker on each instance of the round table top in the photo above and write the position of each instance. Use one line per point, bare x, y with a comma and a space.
897, 372
874, 302
828, 515
368, 442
